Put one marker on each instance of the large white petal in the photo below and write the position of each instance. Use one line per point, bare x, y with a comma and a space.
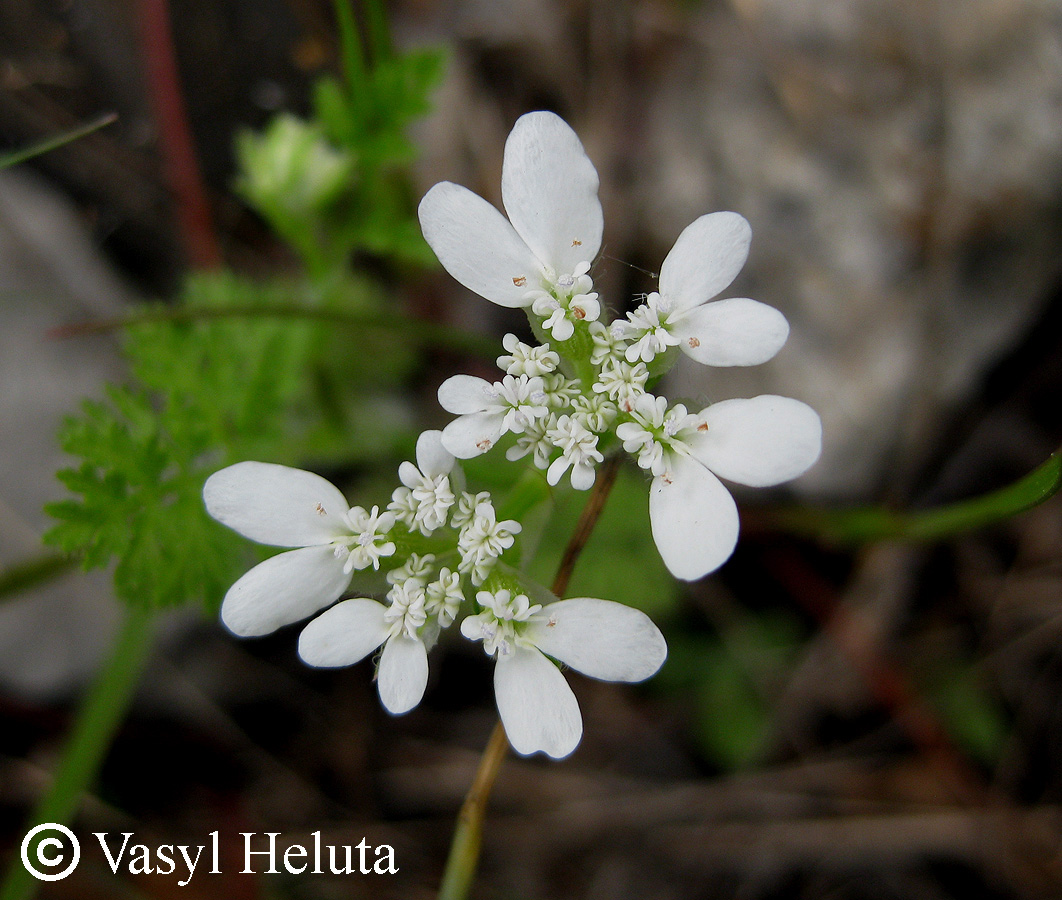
461, 394
549, 189
759, 442
403, 674
276, 505
477, 245
536, 704
283, 589
706, 257
344, 634
694, 519
433, 458
471, 435
735, 332
600, 638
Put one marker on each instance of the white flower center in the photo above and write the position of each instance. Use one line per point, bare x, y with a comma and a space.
658, 433
501, 621
483, 539
368, 541
406, 612
648, 328
564, 300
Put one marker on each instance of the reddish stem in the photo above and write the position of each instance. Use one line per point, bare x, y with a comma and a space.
175, 135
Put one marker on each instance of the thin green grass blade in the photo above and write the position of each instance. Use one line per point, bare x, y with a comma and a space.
53, 143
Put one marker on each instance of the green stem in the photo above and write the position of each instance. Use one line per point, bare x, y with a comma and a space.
379, 31
354, 68
875, 523
463, 860
25, 575
98, 719
468, 835
54, 143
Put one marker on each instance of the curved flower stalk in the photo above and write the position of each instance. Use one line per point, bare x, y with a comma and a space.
599, 638
569, 401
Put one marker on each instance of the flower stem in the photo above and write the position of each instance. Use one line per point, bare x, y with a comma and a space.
463, 860
23, 576
606, 477
468, 835
98, 719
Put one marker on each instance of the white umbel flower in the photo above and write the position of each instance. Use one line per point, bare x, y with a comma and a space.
285, 507
622, 382
599, 638
534, 440
416, 568
483, 539
705, 259
486, 411
554, 225
444, 596
578, 446
368, 541
570, 300
351, 630
426, 496
523, 359
759, 442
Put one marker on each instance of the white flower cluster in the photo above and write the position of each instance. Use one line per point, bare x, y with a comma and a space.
585, 388
583, 391
433, 543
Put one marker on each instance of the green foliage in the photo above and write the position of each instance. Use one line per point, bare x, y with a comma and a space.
338, 184
972, 715
213, 390
731, 680
207, 393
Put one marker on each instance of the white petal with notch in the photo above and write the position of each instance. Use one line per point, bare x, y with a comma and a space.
694, 519
536, 704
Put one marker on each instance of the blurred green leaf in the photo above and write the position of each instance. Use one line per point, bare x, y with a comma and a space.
971, 714
877, 524
731, 680
731, 723
208, 393
339, 184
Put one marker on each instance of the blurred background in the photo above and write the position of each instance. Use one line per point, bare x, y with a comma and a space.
836, 720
